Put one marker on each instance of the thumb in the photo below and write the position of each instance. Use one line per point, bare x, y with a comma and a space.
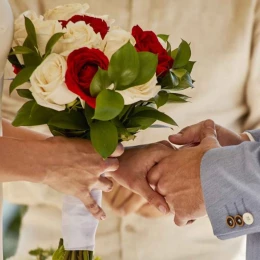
208, 134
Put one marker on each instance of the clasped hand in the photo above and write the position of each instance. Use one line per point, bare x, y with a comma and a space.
169, 179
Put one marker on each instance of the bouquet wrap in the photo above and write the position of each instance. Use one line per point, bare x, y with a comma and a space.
78, 225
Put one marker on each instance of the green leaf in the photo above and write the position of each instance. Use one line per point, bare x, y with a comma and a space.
179, 72
50, 44
73, 120
169, 48
89, 113
31, 114
124, 66
21, 50
148, 64
124, 111
170, 80
161, 98
155, 114
185, 83
183, 55
189, 66
31, 60
177, 98
174, 53
104, 138
137, 122
30, 29
109, 105
100, 82
164, 37
14, 60
59, 254
25, 93
22, 77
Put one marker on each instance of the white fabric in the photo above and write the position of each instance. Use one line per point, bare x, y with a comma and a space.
225, 41
78, 225
251, 138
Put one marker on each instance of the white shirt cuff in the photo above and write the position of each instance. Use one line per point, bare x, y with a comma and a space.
251, 138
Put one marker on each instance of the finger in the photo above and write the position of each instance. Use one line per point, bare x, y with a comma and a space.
180, 222
92, 206
154, 175
119, 151
187, 135
133, 204
208, 134
121, 197
109, 196
103, 184
110, 165
166, 143
148, 211
152, 197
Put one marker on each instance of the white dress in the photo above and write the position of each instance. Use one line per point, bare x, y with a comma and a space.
6, 36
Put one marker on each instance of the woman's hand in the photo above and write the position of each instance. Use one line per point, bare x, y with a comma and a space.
70, 166
75, 168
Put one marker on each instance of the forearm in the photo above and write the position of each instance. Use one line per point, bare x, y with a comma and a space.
20, 132
21, 160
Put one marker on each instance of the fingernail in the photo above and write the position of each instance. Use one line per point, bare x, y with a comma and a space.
162, 209
177, 135
209, 123
103, 217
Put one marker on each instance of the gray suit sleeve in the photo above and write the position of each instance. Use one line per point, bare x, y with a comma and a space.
255, 134
230, 178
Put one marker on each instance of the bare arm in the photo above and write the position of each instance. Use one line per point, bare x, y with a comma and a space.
21, 132
69, 166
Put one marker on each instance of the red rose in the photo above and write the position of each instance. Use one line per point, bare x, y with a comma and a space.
82, 67
98, 25
148, 41
16, 69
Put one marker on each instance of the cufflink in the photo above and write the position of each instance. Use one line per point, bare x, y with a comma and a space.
248, 218
239, 220
231, 223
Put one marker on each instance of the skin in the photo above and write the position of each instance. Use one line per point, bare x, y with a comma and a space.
124, 202
69, 166
177, 176
134, 166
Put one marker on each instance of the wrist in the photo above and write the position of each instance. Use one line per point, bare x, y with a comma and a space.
244, 137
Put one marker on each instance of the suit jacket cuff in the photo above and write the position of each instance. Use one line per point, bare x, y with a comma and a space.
230, 181
255, 134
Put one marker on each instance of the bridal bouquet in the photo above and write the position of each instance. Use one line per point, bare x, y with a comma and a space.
90, 79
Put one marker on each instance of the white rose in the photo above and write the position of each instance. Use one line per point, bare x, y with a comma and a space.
141, 93
105, 18
19, 29
19, 22
65, 12
115, 39
44, 31
79, 35
48, 83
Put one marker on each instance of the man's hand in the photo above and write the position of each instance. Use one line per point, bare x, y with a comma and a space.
73, 167
177, 177
191, 136
134, 166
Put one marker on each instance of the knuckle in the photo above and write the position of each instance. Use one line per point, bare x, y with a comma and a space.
151, 198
